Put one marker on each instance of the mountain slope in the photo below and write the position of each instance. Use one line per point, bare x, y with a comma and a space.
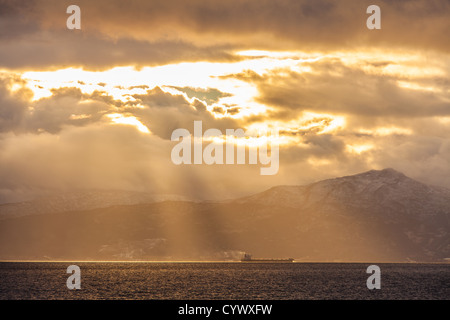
395, 204
81, 200
387, 188
373, 216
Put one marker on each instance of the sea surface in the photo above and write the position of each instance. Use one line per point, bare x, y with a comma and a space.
237, 281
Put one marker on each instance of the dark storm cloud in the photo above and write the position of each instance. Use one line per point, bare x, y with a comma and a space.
232, 110
333, 87
52, 114
66, 106
13, 106
157, 32
210, 95
164, 112
91, 52
160, 111
315, 125
218, 110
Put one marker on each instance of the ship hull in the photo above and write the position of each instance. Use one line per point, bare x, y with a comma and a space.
268, 261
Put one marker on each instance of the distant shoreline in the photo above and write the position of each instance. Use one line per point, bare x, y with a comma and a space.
216, 261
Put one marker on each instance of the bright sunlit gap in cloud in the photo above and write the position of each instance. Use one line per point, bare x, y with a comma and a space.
250, 140
359, 149
195, 74
386, 131
123, 82
416, 86
234, 80
128, 120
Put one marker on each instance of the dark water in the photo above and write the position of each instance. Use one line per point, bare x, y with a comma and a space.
116, 280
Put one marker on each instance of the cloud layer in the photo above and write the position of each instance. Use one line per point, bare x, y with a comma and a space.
344, 99
155, 32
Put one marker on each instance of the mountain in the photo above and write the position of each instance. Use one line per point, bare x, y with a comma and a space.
81, 200
398, 214
379, 216
387, 188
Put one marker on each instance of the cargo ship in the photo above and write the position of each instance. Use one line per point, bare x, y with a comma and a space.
248, 258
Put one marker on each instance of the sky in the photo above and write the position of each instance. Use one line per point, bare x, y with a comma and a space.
95, 108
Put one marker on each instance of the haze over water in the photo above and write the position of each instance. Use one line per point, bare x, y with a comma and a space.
192, 281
